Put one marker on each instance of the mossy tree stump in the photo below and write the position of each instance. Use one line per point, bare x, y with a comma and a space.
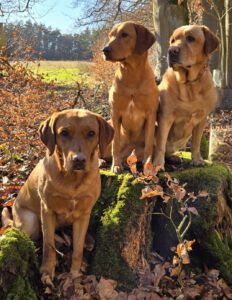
123, 222
18, 267
122, 225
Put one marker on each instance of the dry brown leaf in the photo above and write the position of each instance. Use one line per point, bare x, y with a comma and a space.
166, 198
193, 210
9, 203
175, 271
183, 253
189, 245
131, 161
106, 289
121, 296
226, 289
4, 229
59, 239
180, 192
66, 238
192, 292
175, 260
159, 272
148, 192
192, 196
213, 274
203, 194
48, 290
150, 171
174, 292
68, 284
169, 179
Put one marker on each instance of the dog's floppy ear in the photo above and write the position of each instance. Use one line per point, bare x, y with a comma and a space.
106, 134
211, 40
145, 39
47, 133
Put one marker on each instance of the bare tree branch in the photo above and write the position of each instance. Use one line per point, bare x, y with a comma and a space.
104, 12
12, 6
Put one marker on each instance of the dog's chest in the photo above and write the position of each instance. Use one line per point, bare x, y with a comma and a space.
73, 201
132, 115
70, 212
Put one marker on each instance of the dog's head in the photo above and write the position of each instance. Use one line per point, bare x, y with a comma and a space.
126, 39
74, 136
191, 45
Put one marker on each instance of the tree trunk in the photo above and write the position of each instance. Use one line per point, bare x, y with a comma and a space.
228, 41
166, 18
2, 38
218, 17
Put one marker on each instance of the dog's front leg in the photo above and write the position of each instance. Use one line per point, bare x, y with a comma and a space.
149, 138
164, 126
48, 220
116, 155
80, 227
196, 144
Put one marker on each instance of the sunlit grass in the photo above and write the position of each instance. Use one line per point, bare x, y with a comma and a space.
64, 72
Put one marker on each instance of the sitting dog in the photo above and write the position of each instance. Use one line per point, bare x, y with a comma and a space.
65, 185
187, 92
134, 95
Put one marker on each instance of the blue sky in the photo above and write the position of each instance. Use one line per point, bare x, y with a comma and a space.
58, 14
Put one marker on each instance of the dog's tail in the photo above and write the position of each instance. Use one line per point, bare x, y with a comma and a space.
6, 219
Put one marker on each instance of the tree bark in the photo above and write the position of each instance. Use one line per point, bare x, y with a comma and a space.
166, 18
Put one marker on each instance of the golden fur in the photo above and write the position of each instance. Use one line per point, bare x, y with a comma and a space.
64, 185
134, 95
187, 93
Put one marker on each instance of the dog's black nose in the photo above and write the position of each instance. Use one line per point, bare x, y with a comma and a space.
173, 55
174, 50
79, 161
106, 50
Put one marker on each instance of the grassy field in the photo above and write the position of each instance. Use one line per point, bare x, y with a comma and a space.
64, 72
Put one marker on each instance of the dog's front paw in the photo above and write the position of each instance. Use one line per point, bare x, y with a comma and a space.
159, 164
47, 275
75, 273
198, 162
47, 279
102, 163
117, 168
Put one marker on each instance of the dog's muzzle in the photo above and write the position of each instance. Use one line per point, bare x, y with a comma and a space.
173, 55
107, 52
79, 162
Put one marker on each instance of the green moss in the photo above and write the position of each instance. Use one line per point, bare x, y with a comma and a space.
18, 266
119, 207
207, 178
124, 206
204, 147
110, 183
217, 181
220, 254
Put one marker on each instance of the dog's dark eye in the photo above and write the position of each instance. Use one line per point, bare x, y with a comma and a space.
190, 38
124, 34
172, 41
64, 133
90, 134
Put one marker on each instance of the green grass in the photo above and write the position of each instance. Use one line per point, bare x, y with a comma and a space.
64, 72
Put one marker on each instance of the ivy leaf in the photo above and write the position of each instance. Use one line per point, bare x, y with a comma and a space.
203, 194
193, 210
148, 192
131, 161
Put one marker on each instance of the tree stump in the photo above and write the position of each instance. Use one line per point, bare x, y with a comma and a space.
126, 231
